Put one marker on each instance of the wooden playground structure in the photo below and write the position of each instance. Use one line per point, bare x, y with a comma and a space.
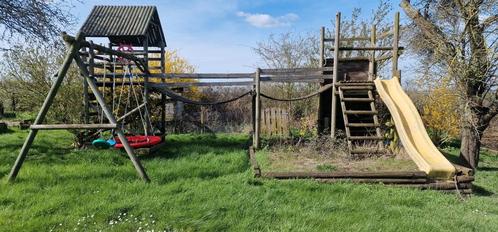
347, 93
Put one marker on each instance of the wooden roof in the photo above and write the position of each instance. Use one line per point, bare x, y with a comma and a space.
125, 24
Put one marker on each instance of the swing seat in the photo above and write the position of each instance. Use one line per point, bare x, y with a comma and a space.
111, 142
139, 141
101, 144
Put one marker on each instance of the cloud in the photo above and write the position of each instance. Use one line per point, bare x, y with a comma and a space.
266, 20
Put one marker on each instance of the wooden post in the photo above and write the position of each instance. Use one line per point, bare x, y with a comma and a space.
395, 44
146, 85
373, 43
72, 51
86, 99
333, 111
112, 120
257, 115
163, 96
113, 76
322, 46
202, 119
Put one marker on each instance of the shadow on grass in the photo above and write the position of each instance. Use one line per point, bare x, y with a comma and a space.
488, 169
40, 153
6, 131
455, 159
480, 191
184, 146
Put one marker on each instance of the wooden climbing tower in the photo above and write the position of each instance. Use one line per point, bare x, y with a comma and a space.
350, 106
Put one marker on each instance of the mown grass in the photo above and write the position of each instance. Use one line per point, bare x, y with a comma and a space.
202, 183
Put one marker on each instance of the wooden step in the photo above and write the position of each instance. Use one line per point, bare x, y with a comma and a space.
356, 87
368, 83
365, 138
361, 112
358, 99
362, 125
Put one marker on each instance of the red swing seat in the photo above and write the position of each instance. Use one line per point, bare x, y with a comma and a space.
139, 141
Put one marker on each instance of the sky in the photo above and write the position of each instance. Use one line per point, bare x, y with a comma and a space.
218, 35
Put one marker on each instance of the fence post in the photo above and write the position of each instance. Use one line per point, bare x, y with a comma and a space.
257, 118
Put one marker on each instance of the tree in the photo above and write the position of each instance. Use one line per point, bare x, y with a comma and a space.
459, 36
29, 75
40, 19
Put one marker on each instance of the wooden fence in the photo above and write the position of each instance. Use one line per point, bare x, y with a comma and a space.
275, 121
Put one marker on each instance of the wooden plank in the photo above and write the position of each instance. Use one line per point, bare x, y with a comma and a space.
375, 181
296, 78
204, 84
276, 71
367, 48
351, 99
275, 121
363, 175
206, 75
71, 126
362, 124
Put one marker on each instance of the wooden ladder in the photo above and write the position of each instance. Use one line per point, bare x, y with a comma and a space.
361, 121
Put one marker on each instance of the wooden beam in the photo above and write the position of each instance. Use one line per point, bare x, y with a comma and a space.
395, 45
61, 73
351, 39
148, 124
257, 120
129, 150
367, 48
201, 84
373, 43
333, 110
72, 126
322, 46
362, 175
131, 112
275, 71
254, 162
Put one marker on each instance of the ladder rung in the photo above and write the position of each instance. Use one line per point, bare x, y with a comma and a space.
365, 138
360, 112
358, 99
356, 87
370, 83
362, 125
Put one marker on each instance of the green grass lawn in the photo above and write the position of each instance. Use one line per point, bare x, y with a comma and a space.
201, 183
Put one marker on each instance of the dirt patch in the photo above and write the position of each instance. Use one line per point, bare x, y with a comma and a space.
304, 160
490, 137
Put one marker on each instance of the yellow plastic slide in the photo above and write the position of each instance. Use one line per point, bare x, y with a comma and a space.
411, 130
